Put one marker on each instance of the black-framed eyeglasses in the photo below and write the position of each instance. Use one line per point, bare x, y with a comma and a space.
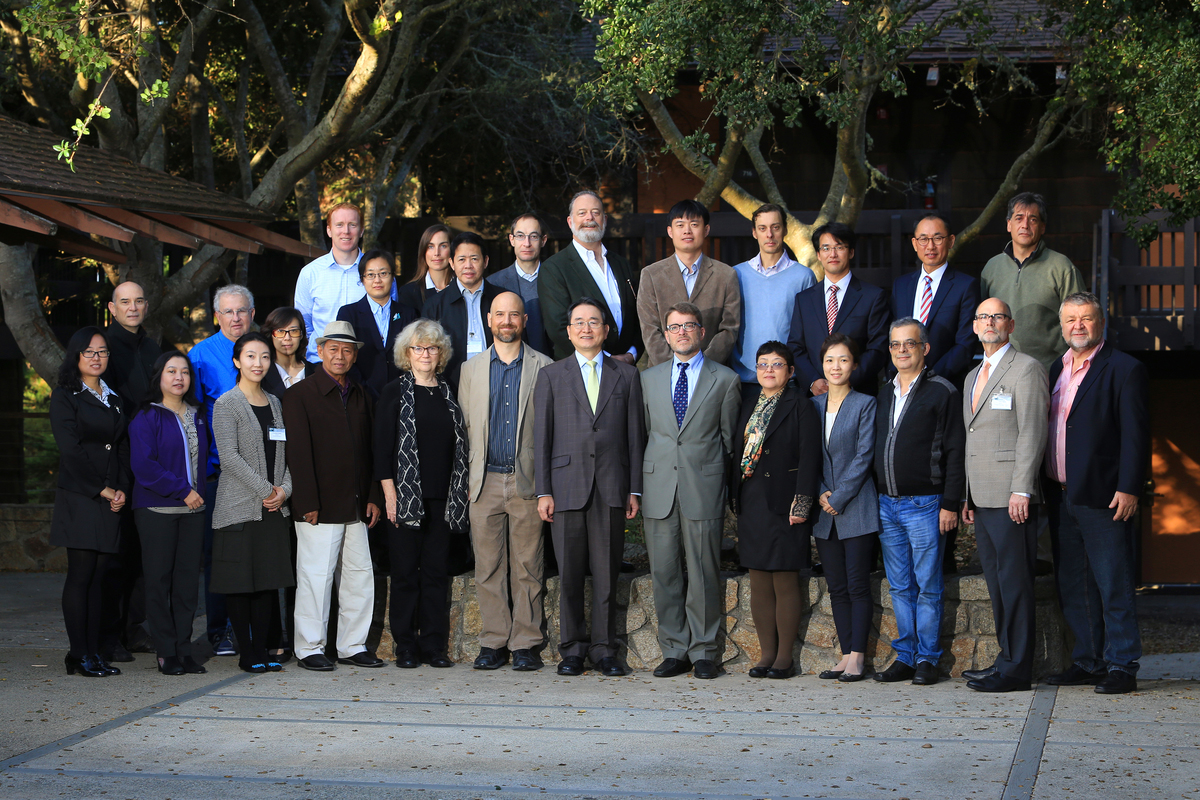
937, 239
993, 317
432, 349
676, 327
285, 333
90, 354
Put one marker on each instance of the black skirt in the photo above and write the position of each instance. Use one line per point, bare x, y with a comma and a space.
252, 557
84, 523
766, 540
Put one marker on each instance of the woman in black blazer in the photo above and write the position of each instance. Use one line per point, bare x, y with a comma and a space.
433, 267
374, 367
776, 470
285, 327
89, 428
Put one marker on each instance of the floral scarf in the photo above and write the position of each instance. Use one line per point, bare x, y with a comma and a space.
756, 431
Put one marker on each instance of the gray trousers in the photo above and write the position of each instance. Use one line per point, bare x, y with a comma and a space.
688, 605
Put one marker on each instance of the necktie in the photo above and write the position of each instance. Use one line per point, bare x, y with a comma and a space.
831, 309
926, 300
593, 385
980, 382
679, 399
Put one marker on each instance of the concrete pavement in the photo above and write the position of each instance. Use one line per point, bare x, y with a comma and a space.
461, 733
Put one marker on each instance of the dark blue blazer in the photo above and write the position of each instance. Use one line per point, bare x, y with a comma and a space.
863, 317
952, 341
374, 367
449, 308
1108, 429
535, 331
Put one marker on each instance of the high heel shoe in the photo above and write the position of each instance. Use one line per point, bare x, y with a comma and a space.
86, 666
104, 665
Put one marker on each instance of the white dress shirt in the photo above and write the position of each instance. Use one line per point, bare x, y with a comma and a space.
603, 275
689, 273
785, 261
841, 290
937, 275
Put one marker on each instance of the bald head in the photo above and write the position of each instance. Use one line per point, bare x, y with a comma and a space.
993, 324
128, 306
506, 318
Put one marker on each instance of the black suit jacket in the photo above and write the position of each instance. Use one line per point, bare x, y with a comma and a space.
790, 459
374, 367
414, 295
449, 308
564, 278
273, 383
863, 317
1108, 429
952, 341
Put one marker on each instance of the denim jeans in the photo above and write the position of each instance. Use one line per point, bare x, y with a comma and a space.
1093, 568
912, 556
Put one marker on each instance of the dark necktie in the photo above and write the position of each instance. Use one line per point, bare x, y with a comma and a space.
679, 400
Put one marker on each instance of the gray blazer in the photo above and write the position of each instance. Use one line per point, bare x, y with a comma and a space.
1005, 446
688, 461
847, 460
243, 484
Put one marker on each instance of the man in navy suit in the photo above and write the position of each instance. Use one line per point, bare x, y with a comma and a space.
462, 307
841, 303
940, 298
377, 319
521, 277
1096, 456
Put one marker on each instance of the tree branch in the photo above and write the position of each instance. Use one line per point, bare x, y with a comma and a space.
766, 175
23, 311
719, 177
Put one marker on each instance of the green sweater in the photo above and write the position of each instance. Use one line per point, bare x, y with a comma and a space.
1034, 291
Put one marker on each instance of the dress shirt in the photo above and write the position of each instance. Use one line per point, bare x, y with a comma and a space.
689, 273
383, 317
429, 284
692, 372
504, 388
993, 362
841, 290
785, 261
900, 398
937, 279
324, 286
528, 276
288, 380
1062, 397
102, 395
475, 335
583, 370
603, 275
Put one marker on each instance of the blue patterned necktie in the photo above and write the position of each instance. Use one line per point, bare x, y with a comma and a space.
680, 399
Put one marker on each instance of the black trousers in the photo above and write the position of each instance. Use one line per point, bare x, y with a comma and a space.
172, 547
1008, 553
848, 576
594, 537
420, 616
127, 589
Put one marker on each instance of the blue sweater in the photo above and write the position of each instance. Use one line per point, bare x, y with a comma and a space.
766, 311
212, 360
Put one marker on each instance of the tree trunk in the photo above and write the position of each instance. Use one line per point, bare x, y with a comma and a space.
23, 311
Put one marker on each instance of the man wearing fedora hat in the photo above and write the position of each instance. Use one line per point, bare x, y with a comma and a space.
328, 420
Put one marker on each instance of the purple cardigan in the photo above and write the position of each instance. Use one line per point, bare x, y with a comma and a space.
158, 457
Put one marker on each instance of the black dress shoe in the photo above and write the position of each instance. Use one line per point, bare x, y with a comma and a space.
363, 659
758, 672
706, 669
610, 666
85, 666
170, 665
407, 659
627, 566
571, 666
999, 683
670, 667
441, 661
831, 674
927, 674
1117, 682
104, 665
257, 669
526, 661
782, 674
898, 671
491, 658
847, 677
117, 653
978, 674
317, 662
191, 667
1076, 676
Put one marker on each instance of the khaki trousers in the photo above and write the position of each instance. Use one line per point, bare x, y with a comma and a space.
506, 534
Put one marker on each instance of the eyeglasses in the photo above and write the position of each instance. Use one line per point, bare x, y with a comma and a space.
580, 324
937, 239
90, 354
286, 333
833, 248
676, 327
376, 276
762, 365
420, 350
993, 317
907, 344
523, 237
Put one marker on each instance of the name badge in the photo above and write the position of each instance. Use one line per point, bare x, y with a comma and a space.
1001, 402
277, 434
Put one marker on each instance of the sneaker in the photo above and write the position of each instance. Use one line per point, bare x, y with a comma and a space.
224, 646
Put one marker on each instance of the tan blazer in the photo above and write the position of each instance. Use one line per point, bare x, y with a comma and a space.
474, 394
716, 294
1005, 446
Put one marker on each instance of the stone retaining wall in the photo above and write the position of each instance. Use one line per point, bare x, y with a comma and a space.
25, 539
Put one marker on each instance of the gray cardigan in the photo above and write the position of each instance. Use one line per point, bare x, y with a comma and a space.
239, 439
847, 459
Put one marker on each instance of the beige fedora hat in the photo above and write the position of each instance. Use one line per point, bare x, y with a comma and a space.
339, 331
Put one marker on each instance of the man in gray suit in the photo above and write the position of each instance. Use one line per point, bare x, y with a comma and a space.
588, 443
1006, 400
691, 405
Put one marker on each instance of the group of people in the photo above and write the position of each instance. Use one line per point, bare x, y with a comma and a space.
507, 404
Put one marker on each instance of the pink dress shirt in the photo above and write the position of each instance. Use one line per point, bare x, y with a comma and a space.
1062, 397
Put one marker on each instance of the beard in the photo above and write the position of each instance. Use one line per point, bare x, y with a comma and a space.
590, 235
507, 336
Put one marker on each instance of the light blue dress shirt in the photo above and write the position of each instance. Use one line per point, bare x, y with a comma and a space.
692, 372
383, 317
689, 273
322, 288
475, 335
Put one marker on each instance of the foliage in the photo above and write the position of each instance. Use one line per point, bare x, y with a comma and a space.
41, 453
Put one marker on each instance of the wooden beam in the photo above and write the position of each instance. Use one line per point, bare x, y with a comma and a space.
74, 217
66, 241
20, 218
208, 233
145, 226
275, 241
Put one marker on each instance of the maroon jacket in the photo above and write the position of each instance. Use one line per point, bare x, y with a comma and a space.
329, 450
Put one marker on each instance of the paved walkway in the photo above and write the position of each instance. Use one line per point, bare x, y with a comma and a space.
460, 733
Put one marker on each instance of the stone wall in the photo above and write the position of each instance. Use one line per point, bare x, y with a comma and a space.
25, 539
968, 632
